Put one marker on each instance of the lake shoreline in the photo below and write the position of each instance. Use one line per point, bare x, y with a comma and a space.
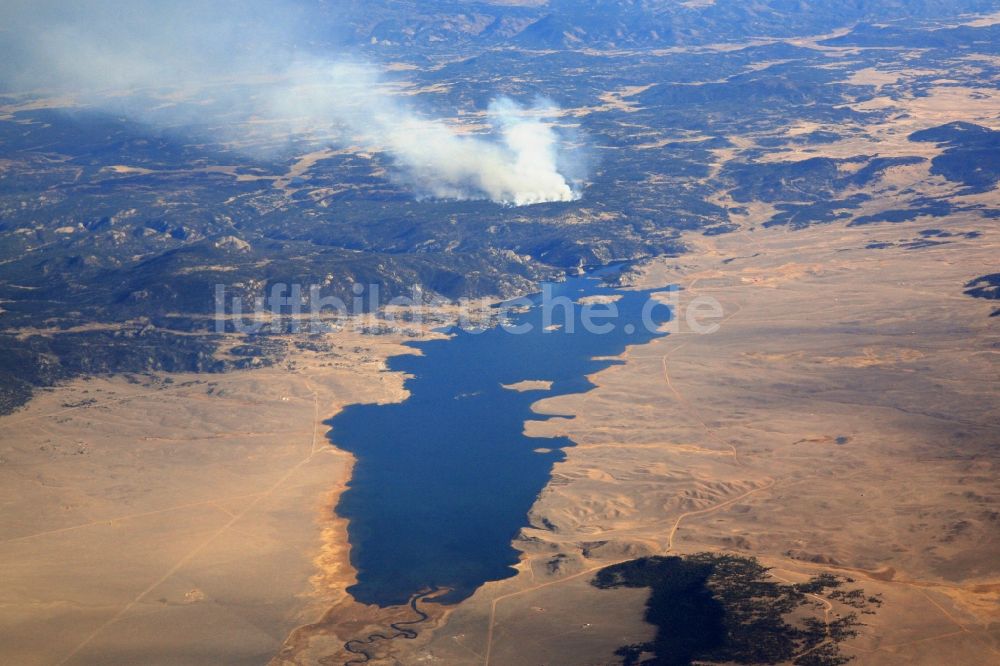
463, 426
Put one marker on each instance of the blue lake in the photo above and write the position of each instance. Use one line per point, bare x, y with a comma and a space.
444, 480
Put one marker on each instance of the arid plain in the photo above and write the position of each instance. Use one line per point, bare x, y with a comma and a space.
191, 510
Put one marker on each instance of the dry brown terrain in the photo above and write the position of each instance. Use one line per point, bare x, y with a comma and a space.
182, 520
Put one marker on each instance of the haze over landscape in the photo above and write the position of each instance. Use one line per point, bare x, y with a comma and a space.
91, 50
500, 332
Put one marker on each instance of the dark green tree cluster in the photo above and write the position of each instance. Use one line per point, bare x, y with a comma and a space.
726, 609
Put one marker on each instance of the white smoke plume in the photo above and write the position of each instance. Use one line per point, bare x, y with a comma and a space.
243, 58
517, 165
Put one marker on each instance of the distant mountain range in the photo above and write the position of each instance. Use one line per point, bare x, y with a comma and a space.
604, 24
